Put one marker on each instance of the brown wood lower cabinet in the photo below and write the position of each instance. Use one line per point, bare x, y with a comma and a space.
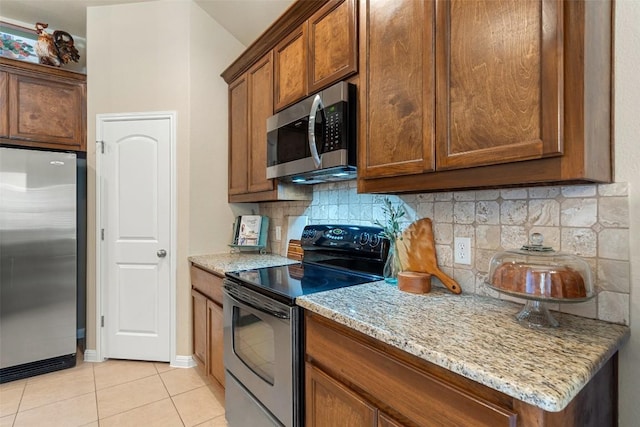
206, 295
355, 380
215, 367
328, 401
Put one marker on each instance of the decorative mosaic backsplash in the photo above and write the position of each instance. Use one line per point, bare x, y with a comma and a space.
591, 221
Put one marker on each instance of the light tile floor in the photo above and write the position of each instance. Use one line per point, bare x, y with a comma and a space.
114, 393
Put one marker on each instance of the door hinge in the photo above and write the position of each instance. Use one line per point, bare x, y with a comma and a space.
102, 321
101, 146
102, 234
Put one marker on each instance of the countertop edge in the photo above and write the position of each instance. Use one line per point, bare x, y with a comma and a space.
469, 370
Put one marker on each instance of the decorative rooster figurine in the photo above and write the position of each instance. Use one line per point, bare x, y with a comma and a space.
57, 49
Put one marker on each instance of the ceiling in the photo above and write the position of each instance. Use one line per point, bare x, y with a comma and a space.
245, 19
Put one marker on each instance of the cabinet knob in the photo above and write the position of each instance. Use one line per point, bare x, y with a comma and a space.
161, 253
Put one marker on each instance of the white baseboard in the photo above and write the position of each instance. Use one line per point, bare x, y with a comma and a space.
183, 362
179, 362
91, 356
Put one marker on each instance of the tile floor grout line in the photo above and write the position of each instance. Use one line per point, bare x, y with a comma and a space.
136, 407
171, 398
184, 423
126, 382
206, 383
95, 391
54, 403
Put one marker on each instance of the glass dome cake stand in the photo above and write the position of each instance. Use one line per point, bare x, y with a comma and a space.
535, 313
540, 275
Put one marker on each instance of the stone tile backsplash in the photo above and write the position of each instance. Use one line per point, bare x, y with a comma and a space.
591, 221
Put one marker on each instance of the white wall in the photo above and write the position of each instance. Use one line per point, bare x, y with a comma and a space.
627, 137
166, 56
212, 49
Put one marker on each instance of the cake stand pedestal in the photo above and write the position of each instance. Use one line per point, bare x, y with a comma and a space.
535, 314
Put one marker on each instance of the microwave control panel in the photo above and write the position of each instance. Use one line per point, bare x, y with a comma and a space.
335, 137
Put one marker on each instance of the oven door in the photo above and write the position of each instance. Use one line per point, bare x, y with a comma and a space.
261, 356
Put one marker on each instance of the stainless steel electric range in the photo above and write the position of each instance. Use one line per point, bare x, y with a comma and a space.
263, 331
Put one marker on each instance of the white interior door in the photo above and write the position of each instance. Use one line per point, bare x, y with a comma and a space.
136, 247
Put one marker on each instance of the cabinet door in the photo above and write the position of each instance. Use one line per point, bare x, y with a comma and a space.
47, 110
386, 421
330, 403
199, 326
215, 365
260, 81
4, 104
290, 62
498, 73
397, 90
238, 136
333, 43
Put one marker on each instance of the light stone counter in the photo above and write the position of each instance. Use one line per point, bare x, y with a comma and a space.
223, 262
479, 338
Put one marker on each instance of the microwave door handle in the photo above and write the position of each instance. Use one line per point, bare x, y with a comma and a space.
316, 106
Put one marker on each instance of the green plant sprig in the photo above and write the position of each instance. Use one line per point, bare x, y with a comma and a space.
391, 227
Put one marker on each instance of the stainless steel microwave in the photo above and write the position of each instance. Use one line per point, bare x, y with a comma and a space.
314, 140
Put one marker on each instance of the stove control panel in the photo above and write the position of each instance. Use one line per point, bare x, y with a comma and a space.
356, 239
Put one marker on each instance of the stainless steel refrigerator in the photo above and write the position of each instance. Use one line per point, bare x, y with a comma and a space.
38, 262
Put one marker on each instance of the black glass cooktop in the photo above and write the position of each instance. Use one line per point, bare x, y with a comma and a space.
287, 282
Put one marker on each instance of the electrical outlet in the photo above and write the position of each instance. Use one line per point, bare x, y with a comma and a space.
278, 233
462, 250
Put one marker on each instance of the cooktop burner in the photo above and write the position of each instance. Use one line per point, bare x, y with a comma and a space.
287, 282
335, 256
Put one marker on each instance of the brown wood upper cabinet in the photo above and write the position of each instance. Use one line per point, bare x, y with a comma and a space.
251, 103
42, 106
397, 92
4, 105
321, 51
333, 44
238, 137
457, 94
497, 81
260, 81
291, 68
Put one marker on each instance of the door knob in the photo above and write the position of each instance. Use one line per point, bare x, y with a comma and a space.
161, 253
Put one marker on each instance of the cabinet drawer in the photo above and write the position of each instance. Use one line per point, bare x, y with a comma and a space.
207, 283
396, 386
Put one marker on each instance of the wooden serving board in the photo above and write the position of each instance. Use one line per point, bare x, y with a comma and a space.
417, 252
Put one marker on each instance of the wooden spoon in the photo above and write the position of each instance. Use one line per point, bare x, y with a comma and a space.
417, 252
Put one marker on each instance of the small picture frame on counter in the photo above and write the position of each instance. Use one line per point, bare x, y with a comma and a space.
250, 232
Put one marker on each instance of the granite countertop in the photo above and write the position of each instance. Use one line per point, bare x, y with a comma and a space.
223, 262
479, 338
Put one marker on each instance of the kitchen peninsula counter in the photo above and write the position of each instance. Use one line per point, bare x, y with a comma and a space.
478, 338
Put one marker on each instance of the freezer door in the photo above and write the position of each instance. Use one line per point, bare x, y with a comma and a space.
37, 255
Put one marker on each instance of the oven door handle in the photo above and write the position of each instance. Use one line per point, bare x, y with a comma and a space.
279, 315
